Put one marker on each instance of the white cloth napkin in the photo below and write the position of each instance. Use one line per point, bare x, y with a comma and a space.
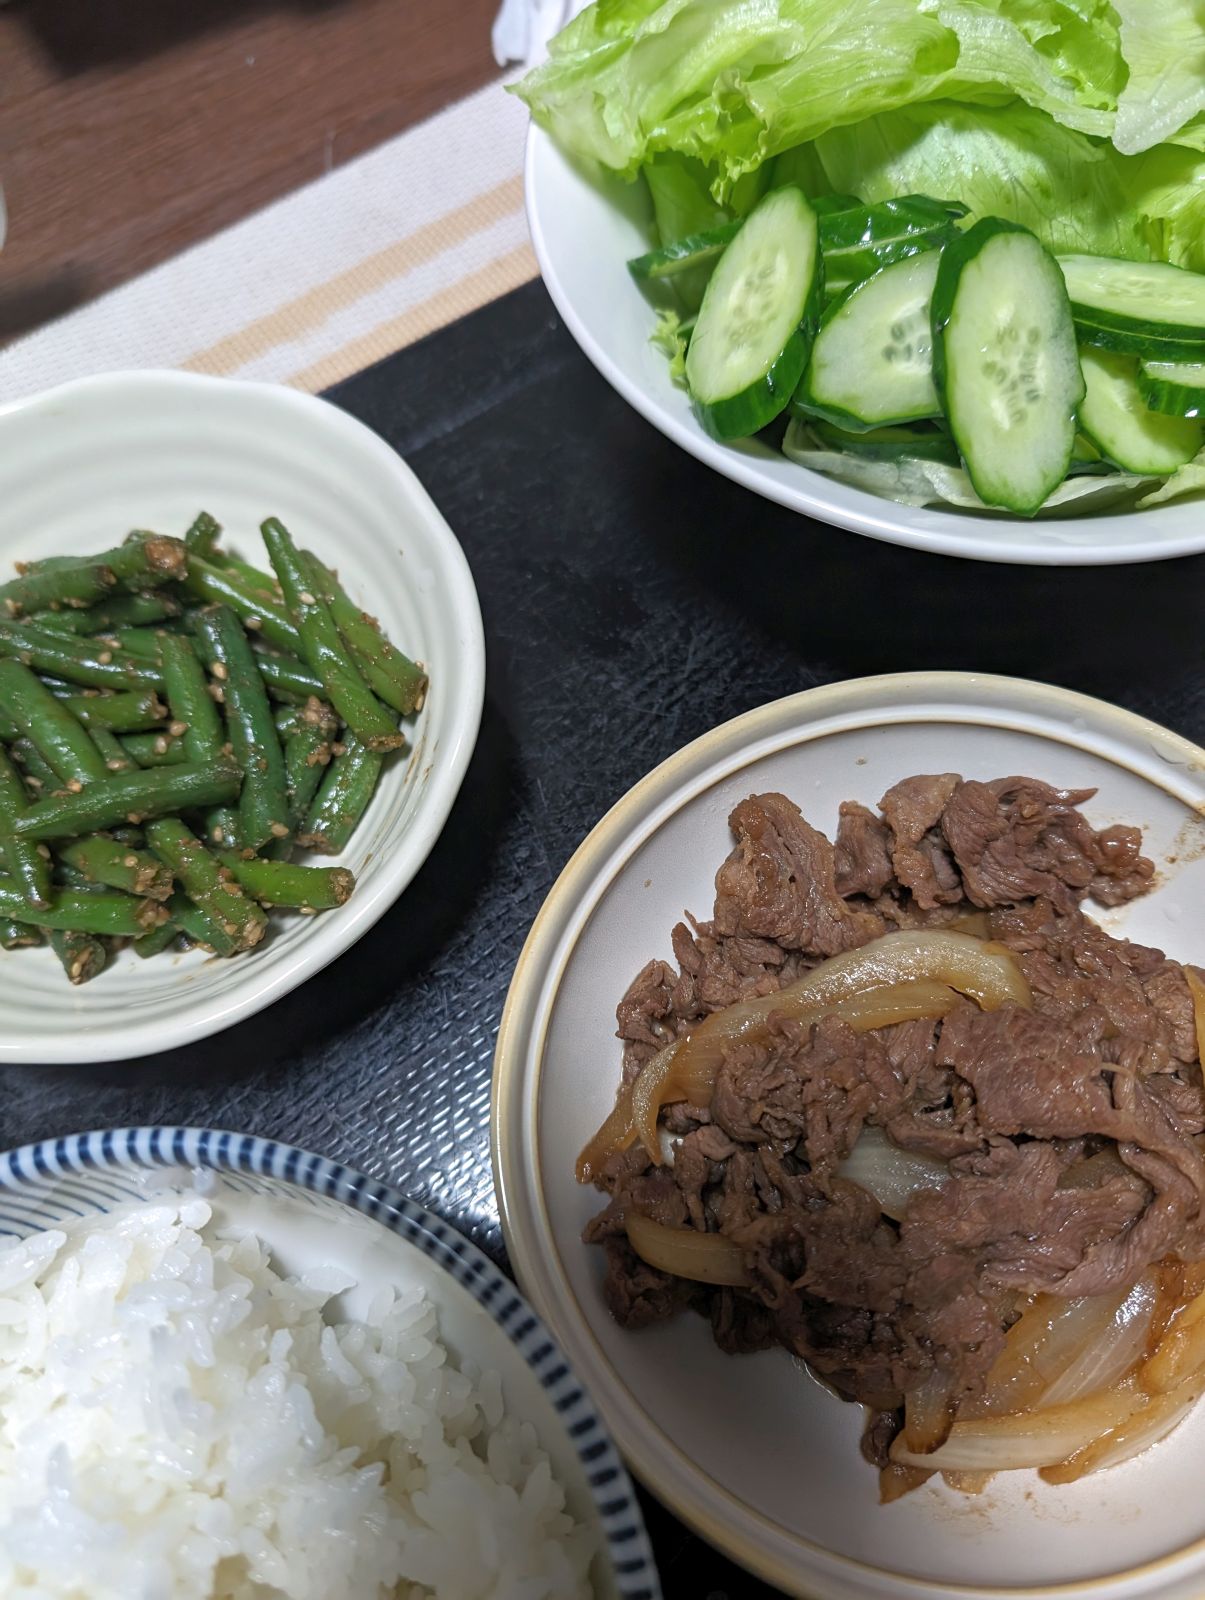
523, 28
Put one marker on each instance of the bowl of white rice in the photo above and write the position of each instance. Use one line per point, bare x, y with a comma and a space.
234, 1370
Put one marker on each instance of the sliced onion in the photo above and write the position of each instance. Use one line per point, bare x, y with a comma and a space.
928, 1413
1105, 1360
985, 972
1180, 1353
1145, 1426
705, 1257
1061, 1350
1027, 1439
1196, 988
967, 1482
890, 1174
616, 1134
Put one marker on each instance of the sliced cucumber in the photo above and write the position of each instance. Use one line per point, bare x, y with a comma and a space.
1005, 362
1148, 307
827, 205
858, 241
1174, 387
1117, 419
1086, 459
697, 250
888, 444
872, 361
751, 340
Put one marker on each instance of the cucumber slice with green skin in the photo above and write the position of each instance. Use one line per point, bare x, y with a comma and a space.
872, 361
888, 444
1086, 459
1005, 362
1144, 300
1177, 388
826, 205
859, 241
751, 340
697, 250
1119, 422
1131, 341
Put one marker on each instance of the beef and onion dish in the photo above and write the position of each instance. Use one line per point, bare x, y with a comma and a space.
903, 1107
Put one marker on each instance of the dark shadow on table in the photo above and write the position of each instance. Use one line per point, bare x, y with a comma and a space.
80, 35
859, 606
27, 303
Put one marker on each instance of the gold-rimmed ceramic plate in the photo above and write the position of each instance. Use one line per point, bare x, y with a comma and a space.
752, 1452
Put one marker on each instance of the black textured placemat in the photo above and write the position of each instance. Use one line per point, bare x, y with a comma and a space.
632, 600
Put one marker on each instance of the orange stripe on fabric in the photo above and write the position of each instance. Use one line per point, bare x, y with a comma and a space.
309, 310
457, 300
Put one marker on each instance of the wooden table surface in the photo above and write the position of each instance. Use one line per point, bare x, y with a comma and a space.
130, 129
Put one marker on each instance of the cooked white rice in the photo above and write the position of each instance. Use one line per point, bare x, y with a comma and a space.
178, 1422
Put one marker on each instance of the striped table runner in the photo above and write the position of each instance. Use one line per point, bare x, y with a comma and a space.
326, 281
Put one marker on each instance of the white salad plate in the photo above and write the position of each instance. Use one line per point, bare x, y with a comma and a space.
313, 1214
82, 465
585, 227
750, 1450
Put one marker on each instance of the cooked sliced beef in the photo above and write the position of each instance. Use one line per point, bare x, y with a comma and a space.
806, 1087
1077, 970
1072, 1132
639, 1295
913, 810
862, 852
779, 883
1016, 839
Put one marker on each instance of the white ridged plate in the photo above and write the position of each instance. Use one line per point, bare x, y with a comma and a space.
584, 229
81, 466
752, 1452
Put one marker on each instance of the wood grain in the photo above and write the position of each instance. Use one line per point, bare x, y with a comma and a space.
131, 130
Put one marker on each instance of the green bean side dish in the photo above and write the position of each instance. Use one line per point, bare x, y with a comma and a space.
174, 724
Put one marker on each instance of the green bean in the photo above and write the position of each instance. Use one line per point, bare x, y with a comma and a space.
190, 701
39, 776
82, 955
86, 661
115, 758
158, 940
323, 649
279, 883
101, 859
155, 749
100, 911
122, 611
130, 797
307, 755
132, 712
194, 712
18, 935
144, 644
206, 883
27, 863
142, 563
202, 536
263, 811
286, 677
343, 798
199, 926
67, 877
255, 578
397, 680
57, 733
257, 611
